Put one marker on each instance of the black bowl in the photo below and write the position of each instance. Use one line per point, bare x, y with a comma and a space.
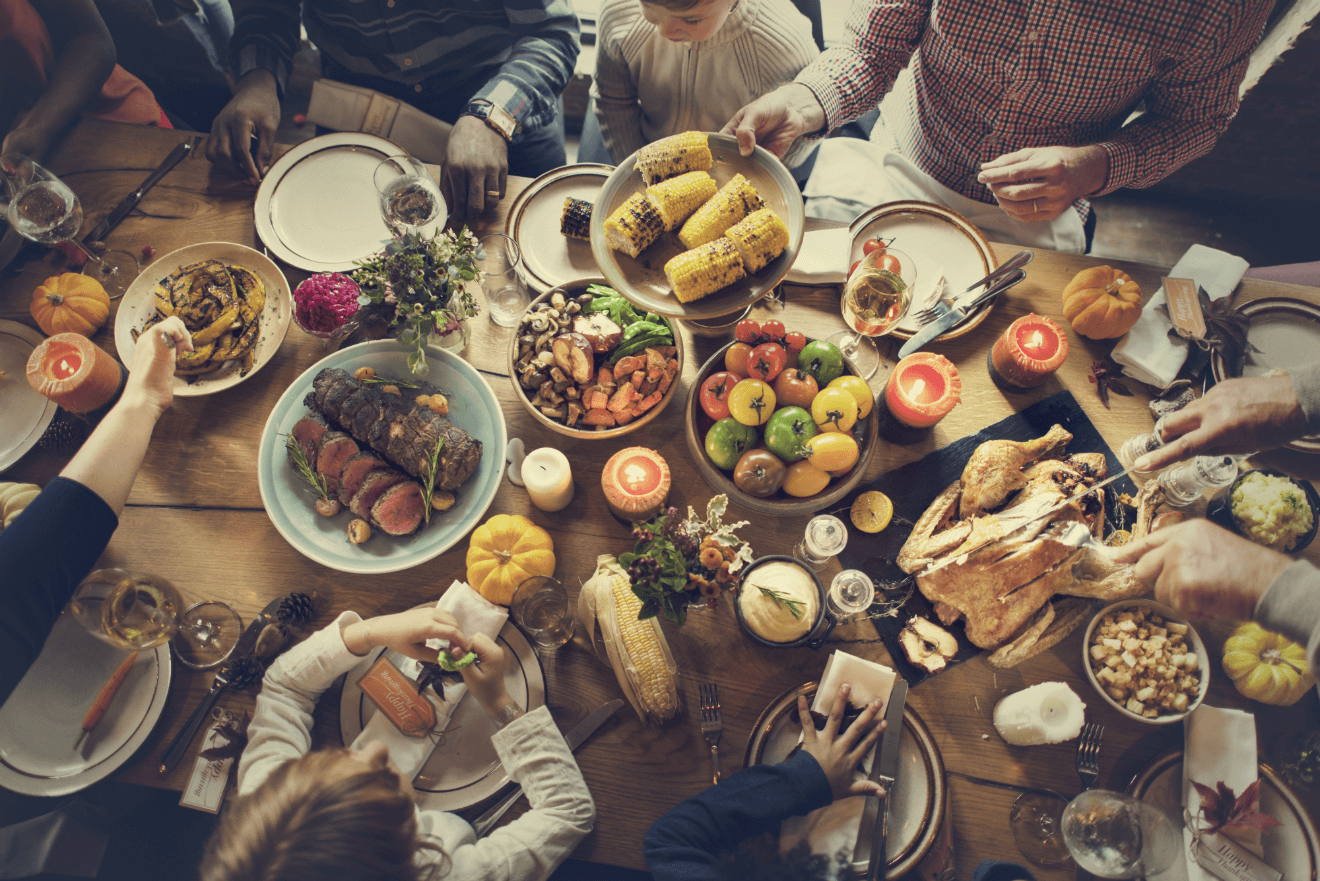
815, 637
1221, 509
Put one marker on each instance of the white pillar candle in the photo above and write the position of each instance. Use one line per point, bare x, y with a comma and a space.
1047, 713
549, 479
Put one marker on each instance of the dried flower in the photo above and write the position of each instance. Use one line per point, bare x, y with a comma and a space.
1108, 378
1222, 810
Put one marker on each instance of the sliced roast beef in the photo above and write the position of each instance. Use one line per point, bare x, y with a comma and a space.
373, 487
399, 509
307, 433
330, 387
334, 449
413, 440
355, 471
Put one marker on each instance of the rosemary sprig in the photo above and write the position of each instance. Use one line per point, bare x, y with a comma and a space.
794, 606
430, 480
385, 380
305, 469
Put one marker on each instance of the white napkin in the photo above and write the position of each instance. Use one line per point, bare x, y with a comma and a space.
867, 678
1220, 745
823, 258
475, 614
1148, 353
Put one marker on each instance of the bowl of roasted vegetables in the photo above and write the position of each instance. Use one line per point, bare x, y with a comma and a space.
587, 363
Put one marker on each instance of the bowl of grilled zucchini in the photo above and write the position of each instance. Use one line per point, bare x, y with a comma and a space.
687, 227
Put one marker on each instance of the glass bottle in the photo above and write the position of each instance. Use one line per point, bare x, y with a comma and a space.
1185, 483
1139, 445
825, 537
851, 594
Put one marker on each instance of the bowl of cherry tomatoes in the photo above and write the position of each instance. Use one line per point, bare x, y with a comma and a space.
782, 423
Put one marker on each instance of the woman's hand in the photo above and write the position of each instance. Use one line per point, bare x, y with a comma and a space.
254, 110
776, 120
840, 754
151, 374
407, 633
1040, 183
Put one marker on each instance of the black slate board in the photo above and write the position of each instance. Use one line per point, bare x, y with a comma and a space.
914, 486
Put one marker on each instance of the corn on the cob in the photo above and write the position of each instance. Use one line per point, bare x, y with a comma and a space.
734, 201
633, 226
704, 270
675, 199
576, 220
674, 155
760, 237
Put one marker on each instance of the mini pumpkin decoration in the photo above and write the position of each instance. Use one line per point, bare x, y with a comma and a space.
14, 497
504, 552
1266, 667
70, 303
1102, 303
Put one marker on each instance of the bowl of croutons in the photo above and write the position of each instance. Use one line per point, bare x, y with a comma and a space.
1146, 661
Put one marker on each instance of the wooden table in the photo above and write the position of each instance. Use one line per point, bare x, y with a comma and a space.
196, 518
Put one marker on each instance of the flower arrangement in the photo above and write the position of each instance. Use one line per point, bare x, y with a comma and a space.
421, 284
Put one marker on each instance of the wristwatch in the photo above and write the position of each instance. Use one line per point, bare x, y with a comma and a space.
496, 117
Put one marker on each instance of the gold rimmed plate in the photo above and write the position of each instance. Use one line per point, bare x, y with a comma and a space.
549, 257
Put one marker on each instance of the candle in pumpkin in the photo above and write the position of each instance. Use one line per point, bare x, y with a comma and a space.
636, 483
549, 479
1030, 350
922, 390
74, 372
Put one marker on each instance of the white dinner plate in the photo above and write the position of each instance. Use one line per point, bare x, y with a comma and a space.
473, 407
42, 718
550, 257
139, 304
26, 413
464, 768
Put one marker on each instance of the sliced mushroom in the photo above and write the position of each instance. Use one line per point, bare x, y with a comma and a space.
575, 356
603, 334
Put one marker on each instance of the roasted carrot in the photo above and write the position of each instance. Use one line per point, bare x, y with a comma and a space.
104, 699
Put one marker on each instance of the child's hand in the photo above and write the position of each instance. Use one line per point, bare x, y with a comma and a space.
406, 633
151, 374
485, 679
840, 754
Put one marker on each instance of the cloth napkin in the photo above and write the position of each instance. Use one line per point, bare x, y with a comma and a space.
1148, 353
474, 614
1220, 745
823, 258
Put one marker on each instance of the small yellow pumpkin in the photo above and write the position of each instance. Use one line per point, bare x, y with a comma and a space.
504, 552
14, 497
70, 303
1101, 303
1266, 667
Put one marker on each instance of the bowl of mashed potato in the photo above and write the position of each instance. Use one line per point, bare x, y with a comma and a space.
1271, 509
781, 603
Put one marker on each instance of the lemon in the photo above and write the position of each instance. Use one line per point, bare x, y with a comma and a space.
871, 511
1118, 537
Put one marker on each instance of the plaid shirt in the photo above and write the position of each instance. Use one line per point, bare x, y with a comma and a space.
993, 77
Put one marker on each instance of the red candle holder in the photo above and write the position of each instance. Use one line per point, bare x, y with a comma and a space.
74, 372
922, 390
1026, 354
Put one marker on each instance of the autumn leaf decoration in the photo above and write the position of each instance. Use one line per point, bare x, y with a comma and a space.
234, 730
1225, 332
1108, 378
1222, 810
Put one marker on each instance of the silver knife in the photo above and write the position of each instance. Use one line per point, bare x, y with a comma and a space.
959, 313
1017, 261
874, 827
575, 737
102, 229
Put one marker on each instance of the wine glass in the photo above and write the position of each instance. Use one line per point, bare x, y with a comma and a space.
1035, 820
410, 199
41, 207
875, 298
1112, 835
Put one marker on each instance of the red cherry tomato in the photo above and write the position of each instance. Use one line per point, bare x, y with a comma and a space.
767, 362
872, 245
715, 394
747, 331
795, 342
773, 331
853, 268
737, 359
890, 262
793, 388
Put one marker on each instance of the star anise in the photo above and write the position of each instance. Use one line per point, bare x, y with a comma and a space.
1108, 378
1222, 810
436, 676
234, 730
1226, 332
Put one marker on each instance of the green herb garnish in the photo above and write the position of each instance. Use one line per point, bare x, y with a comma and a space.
305, 469
382, 380
783, 601
430, 480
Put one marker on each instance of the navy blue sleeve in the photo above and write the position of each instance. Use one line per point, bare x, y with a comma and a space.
44, 555
685, 844
993, 870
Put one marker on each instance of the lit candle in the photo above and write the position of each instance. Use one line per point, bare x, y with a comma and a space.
1030, 350
74, 372
636, 484
922, 390
1050, 712
549, 479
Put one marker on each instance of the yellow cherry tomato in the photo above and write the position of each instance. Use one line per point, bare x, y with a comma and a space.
752, 402
834, 409
804, 479
859, 390
832, 451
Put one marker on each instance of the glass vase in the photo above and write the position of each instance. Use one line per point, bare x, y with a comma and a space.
455, 340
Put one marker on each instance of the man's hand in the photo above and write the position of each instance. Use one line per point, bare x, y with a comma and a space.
476, 168
1040, 183
776, 120
31, 142
1236, 416
254, 109
1204, 571
840, 754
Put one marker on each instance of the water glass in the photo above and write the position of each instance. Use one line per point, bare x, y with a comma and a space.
1112, 835
540, 608
851, 594
825, 537
208, 633
410, 199
506, 294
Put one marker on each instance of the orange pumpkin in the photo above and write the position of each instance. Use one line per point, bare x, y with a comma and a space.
1102, 303
70, 303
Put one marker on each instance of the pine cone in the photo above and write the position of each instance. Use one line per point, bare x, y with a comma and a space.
64, 433
245, 671
296, 610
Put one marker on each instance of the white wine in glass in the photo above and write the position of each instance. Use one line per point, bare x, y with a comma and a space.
875, 299
128, 609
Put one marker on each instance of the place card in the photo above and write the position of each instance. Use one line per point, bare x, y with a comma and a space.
210, 777
1221, 857
1184, 308
395, 695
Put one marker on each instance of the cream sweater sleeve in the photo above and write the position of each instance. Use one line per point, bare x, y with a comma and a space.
614, 91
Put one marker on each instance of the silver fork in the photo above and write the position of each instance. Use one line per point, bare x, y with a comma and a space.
1088, 754
711, 726
944, 304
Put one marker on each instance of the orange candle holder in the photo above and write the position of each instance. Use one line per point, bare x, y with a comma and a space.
636, 483
74, 372
1026, 354
922, 390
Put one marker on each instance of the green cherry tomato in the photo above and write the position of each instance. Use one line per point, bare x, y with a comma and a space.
727, 440
822, 360
788, 431
759, 473
751, 402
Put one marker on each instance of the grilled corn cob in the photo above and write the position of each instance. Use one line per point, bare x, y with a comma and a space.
674, 155
675, 199
576, 220
760, 237
704, 270
633, 226
732, 203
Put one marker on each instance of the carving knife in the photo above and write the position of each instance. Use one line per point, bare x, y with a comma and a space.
102, 229
874, 827
575, 737
958, 313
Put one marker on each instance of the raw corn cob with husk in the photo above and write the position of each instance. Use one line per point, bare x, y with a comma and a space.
760, 237
576, 219
675, 199
734, 201
674, 155
704, 270
633, 226
637, 650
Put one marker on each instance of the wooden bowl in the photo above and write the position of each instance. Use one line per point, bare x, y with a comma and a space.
696, 423
1193, 639
569, 290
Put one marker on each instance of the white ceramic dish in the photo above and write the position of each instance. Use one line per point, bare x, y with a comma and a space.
27, 413
139, 304
549, 257
41, 720
464, 768
472, 407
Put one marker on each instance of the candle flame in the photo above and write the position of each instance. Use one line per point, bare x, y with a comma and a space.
917, 388
1037, 340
